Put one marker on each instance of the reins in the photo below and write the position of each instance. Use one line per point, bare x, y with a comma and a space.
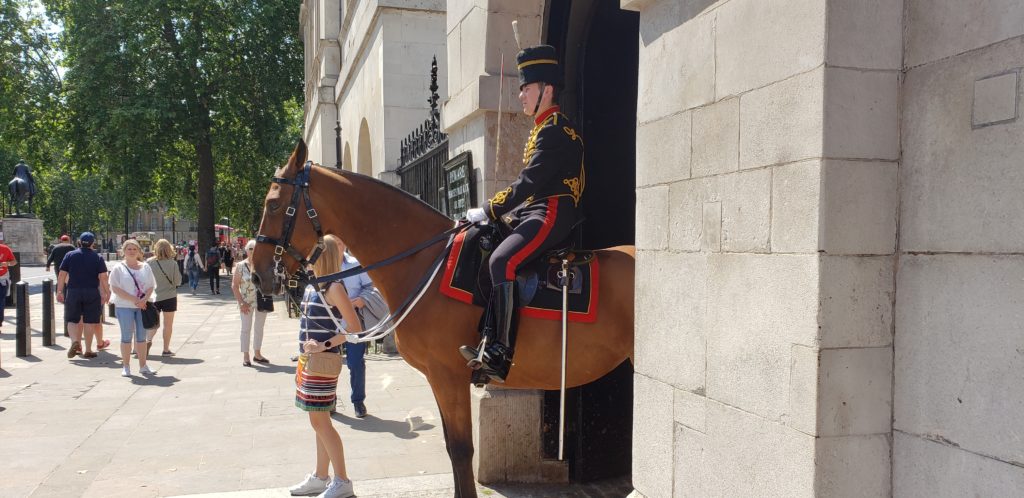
282, 245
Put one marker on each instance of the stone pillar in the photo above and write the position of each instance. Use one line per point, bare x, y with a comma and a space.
958, 347
767, 149
25, 236
479, 34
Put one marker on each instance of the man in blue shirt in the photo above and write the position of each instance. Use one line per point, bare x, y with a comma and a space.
83, 274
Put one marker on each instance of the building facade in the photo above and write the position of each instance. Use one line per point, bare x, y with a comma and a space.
368, 70
824, 198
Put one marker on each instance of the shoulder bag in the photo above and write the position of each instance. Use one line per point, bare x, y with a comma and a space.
150, 316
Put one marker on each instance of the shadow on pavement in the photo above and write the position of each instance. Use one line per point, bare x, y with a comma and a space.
400, 429
272, 368
155, 380
4, 374
174, 360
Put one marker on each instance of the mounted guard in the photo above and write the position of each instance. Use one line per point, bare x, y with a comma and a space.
22, 187
541, 207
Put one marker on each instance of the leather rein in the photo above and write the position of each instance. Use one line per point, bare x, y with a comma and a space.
283, 245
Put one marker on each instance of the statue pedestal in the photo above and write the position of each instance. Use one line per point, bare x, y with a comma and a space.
25, 237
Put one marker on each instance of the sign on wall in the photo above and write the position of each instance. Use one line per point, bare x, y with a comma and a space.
458, 185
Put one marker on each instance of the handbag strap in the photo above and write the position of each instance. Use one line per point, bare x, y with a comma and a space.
161, 267
130, 274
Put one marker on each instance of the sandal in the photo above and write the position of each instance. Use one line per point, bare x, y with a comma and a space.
89, 354
167, 353
261, 360
246, 363
104, 344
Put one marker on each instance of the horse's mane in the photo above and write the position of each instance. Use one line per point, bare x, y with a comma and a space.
359, 177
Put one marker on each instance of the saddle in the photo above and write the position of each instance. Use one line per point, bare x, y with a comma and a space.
467, 279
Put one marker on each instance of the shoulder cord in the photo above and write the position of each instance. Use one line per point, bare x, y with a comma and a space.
383, 328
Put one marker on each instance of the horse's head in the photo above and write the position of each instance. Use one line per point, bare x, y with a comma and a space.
287, 235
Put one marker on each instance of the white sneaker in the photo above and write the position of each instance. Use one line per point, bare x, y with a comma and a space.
126, 372
338, 488
146, 371
310, 486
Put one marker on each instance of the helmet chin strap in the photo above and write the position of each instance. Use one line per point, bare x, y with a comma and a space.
540, 96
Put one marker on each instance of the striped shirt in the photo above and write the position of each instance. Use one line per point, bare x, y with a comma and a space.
316, 323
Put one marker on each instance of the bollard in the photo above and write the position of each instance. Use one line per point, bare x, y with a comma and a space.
22, 329
49, 322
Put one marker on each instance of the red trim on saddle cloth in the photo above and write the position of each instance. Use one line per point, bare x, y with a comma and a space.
467, 297
545, 229
589, 317
449, 272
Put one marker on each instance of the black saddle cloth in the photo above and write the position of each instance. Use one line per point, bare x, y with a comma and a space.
540, 296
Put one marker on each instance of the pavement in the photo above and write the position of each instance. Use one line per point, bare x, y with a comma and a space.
205, 425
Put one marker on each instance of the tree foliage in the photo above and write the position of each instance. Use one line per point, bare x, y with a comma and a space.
185, 102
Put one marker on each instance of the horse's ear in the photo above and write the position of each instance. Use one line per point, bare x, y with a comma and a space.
298, 158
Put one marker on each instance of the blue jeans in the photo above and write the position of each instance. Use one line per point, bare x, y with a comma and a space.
130, 320
193, 279
354, 359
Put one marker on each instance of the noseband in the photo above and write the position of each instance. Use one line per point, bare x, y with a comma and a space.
282, 245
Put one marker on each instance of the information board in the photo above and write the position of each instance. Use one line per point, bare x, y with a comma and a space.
459, 193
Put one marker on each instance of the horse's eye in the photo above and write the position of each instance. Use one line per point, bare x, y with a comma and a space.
273, 206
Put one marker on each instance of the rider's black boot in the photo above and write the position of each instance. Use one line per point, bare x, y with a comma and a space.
497, 357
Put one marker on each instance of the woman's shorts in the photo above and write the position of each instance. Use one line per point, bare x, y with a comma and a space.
314, 393
169, 305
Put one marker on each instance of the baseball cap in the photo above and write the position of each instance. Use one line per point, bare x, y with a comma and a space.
87, 237
64, 238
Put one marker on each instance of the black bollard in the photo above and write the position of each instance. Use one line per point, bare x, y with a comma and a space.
49, 322
22, 329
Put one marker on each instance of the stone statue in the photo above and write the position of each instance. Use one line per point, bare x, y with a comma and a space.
22, 187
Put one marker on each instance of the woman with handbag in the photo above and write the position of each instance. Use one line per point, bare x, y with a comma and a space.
252, 305
168, 278
131, 285
316, 376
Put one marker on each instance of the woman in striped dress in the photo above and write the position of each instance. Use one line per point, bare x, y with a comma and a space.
316, 394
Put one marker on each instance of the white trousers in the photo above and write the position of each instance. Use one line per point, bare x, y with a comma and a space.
260, 318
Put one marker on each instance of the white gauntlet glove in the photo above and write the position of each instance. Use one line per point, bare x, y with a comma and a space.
476, 215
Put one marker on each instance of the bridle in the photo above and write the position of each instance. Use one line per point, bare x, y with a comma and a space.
282, 245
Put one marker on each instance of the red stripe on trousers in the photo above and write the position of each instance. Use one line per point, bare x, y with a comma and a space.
545, 229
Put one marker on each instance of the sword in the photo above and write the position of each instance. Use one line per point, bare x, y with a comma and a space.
563, 277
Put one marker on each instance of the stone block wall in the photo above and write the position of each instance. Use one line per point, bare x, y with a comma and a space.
767, 166
959, 356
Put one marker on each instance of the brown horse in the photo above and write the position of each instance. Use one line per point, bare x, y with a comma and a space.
377, 221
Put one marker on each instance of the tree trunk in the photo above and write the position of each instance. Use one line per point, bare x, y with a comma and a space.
205, 189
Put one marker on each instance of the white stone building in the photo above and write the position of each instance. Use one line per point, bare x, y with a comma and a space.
829, 276
368, 66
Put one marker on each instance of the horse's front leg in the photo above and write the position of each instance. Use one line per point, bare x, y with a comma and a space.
452, 395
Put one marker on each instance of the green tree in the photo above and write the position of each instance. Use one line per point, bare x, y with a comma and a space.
169, 98
30, 88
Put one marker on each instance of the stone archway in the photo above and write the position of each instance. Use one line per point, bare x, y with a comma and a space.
346, 162
364, 164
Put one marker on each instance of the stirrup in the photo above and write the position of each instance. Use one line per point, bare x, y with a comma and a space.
476, 358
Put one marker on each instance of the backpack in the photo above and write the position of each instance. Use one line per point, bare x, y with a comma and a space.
190, 261
212, 258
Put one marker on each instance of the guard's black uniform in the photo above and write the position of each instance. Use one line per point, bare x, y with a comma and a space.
544, 203
549, 190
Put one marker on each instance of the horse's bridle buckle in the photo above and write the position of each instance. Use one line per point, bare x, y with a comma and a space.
290, 211
311, 213
278, 251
